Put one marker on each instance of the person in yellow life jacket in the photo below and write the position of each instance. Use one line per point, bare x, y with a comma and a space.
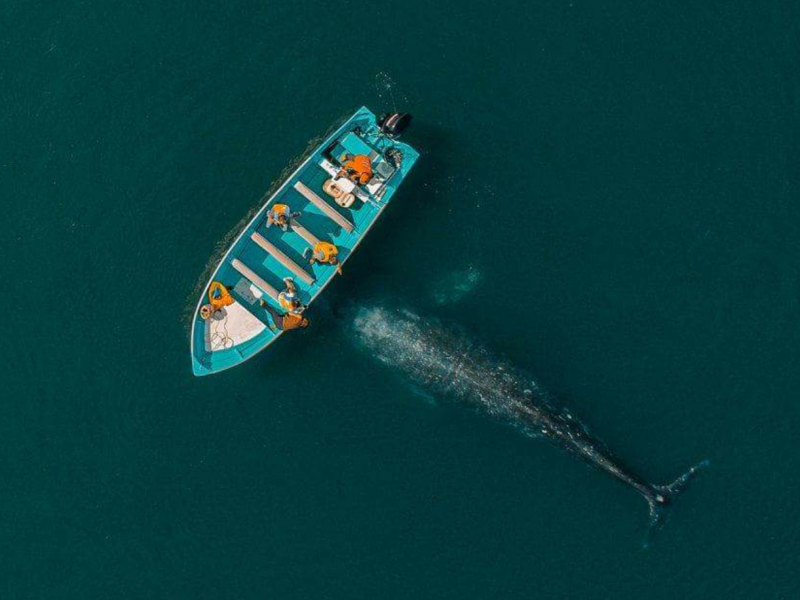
219, 297
280, 215
284, 321
357, 169
323, 253
288, 298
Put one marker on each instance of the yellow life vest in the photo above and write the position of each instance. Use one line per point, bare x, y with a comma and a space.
219, 296
280, 213
287, 301
326, 253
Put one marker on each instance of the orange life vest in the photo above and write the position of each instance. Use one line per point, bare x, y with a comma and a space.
289, 301
325, 252
358, 169
279, 213
286, 303
291, 321
219, 296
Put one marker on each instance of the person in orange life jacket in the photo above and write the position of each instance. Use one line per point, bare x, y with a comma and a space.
288, 300
281, 215
288, 297
357, 169
284, 321
323, 253
219, 297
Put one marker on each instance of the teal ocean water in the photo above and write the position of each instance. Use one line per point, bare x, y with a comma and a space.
607, 198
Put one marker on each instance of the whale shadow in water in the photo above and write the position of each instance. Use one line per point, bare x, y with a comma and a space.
445, 362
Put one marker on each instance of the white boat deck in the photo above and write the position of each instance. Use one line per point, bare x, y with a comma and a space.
231, 326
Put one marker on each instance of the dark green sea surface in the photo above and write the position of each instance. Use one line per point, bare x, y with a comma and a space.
617, 182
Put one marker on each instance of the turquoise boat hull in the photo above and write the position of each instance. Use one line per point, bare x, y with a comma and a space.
260, 257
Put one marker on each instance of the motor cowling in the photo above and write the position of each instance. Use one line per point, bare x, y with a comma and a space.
393, 124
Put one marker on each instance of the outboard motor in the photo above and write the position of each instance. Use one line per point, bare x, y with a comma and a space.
393, 124
394, 157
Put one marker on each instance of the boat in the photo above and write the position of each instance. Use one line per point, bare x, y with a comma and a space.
326, 205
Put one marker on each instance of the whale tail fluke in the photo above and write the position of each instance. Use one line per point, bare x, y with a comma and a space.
664, 496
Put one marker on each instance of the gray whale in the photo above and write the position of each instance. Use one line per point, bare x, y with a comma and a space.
447, 362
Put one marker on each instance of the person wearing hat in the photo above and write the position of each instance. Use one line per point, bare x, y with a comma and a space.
357, 169
288, 298
281, 215
323, 253
219, 296
284, 321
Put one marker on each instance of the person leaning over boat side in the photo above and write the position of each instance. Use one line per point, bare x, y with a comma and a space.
281, 215
219, 297
288, 298
284, 321
323, 253
357, 169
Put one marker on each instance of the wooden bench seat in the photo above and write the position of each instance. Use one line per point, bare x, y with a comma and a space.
279, 255
326, 208
251, 275
236, 324
304, 233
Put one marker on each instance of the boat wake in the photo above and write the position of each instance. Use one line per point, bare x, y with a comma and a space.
448, 363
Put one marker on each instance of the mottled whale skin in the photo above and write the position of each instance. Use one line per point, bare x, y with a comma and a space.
448, 363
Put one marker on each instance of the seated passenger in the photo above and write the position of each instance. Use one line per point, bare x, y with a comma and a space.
219, 296
288, 298
284, 321
281, 215
357, 169
323, 253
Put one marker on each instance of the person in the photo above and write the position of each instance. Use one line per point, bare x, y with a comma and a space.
323, 253
281, 215
357, 169
219, 297
284, 321
288, 298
